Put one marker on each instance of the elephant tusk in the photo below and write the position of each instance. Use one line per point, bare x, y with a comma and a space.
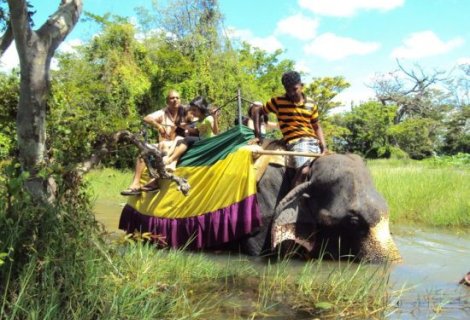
382, 243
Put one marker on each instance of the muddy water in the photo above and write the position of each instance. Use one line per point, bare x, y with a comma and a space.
433, 263
108, 212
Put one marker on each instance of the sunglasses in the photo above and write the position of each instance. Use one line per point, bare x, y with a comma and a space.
172, 98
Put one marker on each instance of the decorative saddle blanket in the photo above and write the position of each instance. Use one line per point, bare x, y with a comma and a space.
221, 205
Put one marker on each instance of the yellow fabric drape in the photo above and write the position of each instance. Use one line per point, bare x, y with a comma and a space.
214, 187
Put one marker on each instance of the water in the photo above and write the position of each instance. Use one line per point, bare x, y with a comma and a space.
433, 263
108, 212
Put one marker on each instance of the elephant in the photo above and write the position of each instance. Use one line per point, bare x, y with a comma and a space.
336, 213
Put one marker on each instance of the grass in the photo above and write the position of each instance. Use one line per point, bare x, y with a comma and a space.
56, 264
107, 183
135, 281
424, 193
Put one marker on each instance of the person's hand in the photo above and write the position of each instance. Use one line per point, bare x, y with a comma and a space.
324, 150
253, 141
162, 132
183, 125
215, 113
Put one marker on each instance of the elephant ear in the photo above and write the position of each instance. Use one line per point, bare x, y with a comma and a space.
286, 220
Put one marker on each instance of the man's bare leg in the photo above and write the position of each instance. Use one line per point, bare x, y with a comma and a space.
139, 168
171, 160
301, 175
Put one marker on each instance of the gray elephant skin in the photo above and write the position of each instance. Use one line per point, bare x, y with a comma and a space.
337, 213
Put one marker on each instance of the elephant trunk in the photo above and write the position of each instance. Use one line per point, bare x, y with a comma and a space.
379, 245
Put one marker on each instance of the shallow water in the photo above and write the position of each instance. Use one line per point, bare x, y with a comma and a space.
433, 263
108, 213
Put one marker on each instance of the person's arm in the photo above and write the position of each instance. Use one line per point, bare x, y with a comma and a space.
156, 122
319, 132
257, 111
215, 123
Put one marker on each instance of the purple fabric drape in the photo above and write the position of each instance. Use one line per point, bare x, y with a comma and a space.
202, 231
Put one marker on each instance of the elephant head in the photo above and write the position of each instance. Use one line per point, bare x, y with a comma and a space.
337, 213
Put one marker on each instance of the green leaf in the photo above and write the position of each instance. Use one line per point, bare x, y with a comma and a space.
324, 305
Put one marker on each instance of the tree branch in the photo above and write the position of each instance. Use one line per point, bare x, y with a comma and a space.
60, 23
6, 39
19, 21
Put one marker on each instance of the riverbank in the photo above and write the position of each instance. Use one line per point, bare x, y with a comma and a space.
424, 193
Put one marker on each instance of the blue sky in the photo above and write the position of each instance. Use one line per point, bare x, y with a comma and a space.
352, 38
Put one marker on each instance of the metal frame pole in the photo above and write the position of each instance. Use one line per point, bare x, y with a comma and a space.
239, 100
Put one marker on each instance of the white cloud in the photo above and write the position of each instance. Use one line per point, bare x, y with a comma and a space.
298, 26
69, 46
269, 44
332, 47
424, 44
9, 59
356, 94
463, 61
347, 8
302, 66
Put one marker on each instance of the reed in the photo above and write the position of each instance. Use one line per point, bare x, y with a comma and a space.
423, 193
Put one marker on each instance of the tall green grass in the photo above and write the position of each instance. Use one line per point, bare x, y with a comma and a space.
426, 193
107, 183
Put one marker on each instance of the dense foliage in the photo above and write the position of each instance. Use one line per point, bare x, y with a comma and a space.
9, 92
124, 72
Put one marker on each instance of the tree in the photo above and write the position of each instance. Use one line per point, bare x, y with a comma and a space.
196, 57
415, 136
367, 125
459, 86
457, 136
324, 90
5, 27
35, 50
413, 92
103, 87
9, 88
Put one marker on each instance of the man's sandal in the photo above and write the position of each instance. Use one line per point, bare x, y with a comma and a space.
131, 192
150, 188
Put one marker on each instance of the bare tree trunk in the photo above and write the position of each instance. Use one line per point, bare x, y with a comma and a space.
35, 51
31, 117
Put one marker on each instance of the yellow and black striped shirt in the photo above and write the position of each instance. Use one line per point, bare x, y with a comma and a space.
294, 120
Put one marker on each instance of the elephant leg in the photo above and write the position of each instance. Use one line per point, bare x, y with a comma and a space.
271, 189
258, 243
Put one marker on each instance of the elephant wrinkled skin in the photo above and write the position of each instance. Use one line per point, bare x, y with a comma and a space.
337, 213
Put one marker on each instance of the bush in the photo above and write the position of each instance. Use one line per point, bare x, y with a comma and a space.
414, 136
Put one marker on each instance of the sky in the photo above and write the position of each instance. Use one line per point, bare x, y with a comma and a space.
356, 39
